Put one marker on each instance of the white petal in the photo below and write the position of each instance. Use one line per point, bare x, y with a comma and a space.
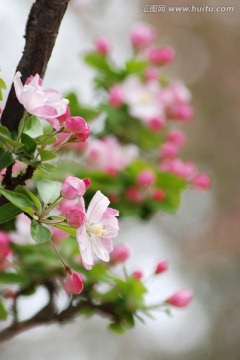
18, 85
99, 248
85, 246
110, 225
97, 207
107, 243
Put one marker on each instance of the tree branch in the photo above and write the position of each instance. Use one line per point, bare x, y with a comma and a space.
41, 31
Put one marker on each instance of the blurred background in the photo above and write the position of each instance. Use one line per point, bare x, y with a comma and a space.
202, 240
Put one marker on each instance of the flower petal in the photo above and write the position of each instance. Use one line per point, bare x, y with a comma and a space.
110, 225
107, 243
18, 85
99, 248
86, 248
97, 207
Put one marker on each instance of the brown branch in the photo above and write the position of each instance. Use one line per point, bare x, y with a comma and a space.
41, 31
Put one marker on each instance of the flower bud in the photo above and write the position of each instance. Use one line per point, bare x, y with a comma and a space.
103, 45
73, 283
134, 194
156, 123
73, 187
120, 254
161, 266
142, 36
181, 298
146, 178
181, 112
162, 56
137, 274
78, 126
115, 96
158, 195
76, 217
169, 150
177, 137
201, 181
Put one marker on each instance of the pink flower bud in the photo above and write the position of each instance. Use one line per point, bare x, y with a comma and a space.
67, 205
146, 178
5, 249
157, 123
161, 266
181, 112
134, 194
78, 126
73, 283
73, 187
169, 150
151, 74
142, 36
181, 298
161, 56
113, 197
120, 254
177, 137
65, 116
137, 274
201, 181
76, 217
158, 195
103, 45
115, 96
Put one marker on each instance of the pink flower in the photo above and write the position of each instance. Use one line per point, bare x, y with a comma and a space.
201, 181
146, 178
177, 137
76, 217
169, 150
103, 45
151, 74
5, 250
115, 96
181, 298
134, 194
157, 123
137, 274
46, 104
142, 36
95, 235
181, 111
120, 254
73, 187
161, 266
73, 283
161, 56
78, 126
64, 116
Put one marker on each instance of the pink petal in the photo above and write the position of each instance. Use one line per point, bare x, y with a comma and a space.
18, 85
97, 207
111, 212
107, 243
45, 112
110, 224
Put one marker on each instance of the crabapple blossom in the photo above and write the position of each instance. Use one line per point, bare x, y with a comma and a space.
5, 250
161, 56
137, 274
103, 45
73, 187
109, 155
157, 123
177, 137
46, 104
73, 283
158, 194
95, 235
181, 298
120, 254
62, 118
161, 266
134, 194
78, 126
181, 111
142, 36
169, 150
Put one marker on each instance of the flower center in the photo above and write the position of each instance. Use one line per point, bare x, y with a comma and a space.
145, 98
96, 229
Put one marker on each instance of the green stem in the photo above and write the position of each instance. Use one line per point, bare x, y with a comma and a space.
54, 204
66, 267
23, 124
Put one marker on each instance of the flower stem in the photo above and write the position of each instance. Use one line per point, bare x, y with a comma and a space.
66, 268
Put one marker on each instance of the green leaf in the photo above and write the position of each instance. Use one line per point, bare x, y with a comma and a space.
19, 200
116, 328
30, 195
49, 190
40, 233
68, 229
2, 84
12, 278
47, 168
34, 127
98, 61
5, 132
6, 159
136, 66
79, 109
8, 212
46, 154
29, 143
3, 311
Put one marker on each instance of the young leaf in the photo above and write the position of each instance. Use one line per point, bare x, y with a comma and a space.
5, 132
49, 190
29, 143
6, 159
46, 154
30, 195
8, 212
40, 233
19, 200
34, 127
3, 311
